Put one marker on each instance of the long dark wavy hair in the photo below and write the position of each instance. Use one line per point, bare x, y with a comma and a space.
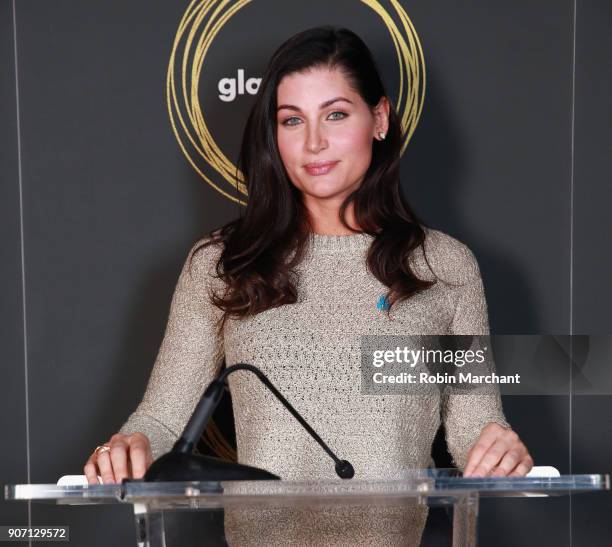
261, 248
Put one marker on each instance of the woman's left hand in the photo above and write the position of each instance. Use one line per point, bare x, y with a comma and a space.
498, 452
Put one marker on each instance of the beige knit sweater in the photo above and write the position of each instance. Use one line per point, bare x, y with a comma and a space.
311, 352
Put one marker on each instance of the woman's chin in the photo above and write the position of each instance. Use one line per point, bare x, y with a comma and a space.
326, 190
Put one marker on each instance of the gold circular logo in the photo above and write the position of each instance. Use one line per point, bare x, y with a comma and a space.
196, 32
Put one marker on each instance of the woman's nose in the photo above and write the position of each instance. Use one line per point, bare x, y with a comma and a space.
315, 140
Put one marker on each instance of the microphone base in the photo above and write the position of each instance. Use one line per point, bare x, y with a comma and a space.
182, 467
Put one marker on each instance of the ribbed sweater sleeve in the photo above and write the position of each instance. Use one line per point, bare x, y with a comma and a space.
464, 415
191, 352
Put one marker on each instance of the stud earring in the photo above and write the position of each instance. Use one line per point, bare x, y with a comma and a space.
381, 135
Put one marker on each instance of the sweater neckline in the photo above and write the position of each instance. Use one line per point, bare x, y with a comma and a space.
338, 243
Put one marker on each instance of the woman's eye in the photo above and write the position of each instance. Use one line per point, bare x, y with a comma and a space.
342, 115
288, 120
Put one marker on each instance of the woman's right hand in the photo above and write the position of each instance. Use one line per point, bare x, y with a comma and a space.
128, 458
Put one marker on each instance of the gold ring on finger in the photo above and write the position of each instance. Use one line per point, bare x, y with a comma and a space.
100, 449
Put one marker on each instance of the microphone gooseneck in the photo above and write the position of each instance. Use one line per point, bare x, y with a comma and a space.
209, 401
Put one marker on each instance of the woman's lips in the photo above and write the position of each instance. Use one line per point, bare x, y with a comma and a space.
320, 168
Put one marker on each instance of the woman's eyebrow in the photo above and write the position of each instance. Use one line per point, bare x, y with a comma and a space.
322, 105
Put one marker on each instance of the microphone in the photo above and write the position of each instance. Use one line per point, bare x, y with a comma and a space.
180, 464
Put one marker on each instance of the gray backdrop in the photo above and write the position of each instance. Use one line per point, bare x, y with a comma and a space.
99, 207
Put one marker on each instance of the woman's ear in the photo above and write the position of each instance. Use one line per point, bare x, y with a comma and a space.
381, 118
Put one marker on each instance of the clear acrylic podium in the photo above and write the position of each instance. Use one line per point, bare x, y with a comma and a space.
427, 488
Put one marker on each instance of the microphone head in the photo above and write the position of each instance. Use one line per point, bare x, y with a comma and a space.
345, 470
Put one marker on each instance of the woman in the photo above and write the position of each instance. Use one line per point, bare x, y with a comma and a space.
292, 286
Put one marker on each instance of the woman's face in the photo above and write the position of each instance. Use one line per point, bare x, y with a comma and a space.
325, 132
